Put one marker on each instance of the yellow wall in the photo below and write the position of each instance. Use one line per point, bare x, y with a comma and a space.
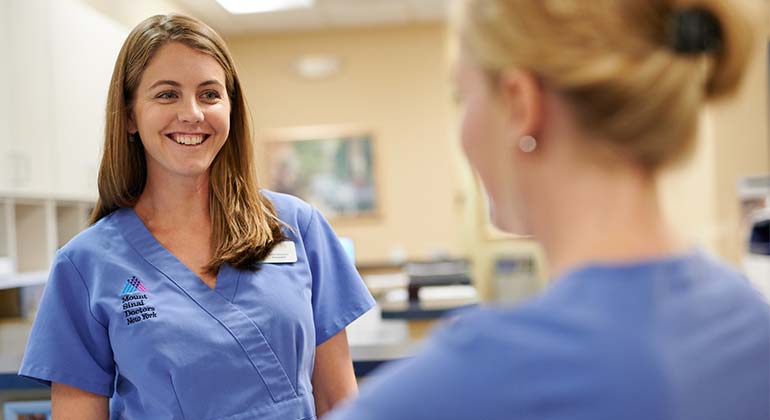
394, 81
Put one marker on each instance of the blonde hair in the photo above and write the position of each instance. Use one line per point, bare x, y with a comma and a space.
245, 226
614, 62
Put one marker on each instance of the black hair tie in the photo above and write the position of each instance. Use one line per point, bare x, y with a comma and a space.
694, 31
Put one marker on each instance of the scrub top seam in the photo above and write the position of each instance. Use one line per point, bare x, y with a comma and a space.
272, 350
237, 285
88, 291
266, 409
48, 376
313, 211
176, 396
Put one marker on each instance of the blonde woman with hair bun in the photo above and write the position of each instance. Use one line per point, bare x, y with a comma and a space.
571, 108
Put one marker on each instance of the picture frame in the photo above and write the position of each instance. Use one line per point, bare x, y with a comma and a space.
27, 410
331, 167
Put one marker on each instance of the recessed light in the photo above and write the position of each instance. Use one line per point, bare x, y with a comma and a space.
240, 7
317, 66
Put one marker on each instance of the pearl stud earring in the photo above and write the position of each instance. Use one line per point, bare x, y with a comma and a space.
527, 144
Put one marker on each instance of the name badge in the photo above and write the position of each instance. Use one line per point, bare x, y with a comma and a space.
283, 253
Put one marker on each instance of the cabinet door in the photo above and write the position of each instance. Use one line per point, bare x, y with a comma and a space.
5, 116
27, 149
85, 45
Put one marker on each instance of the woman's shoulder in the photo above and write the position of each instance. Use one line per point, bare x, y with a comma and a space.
290, 209
531, 327
725, 284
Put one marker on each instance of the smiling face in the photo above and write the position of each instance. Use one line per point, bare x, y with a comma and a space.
181, 111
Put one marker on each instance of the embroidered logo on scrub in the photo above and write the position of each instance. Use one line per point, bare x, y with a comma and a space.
133, 285
135, 302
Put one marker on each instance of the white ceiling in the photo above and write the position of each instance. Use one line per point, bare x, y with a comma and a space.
325, 14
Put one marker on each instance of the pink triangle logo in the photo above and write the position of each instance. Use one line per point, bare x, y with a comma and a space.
133, 285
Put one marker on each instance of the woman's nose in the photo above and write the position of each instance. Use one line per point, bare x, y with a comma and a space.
190, 112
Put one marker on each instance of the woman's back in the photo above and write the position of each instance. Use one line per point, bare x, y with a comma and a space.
570, 111
671, 339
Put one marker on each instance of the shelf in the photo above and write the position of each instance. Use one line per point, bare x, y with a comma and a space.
5, 235
32, 229
11, 281
71, 218
34, 235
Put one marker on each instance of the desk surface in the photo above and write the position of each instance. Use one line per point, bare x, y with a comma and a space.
410, 310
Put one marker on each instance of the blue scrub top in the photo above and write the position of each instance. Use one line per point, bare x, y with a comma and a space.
122, 317
682, 338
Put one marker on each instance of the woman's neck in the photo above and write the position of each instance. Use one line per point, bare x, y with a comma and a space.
603, 218
176, 202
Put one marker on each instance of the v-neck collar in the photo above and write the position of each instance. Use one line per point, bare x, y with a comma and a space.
216, 302
143, 241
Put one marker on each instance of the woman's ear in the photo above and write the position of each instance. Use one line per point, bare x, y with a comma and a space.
522, 97
132, 128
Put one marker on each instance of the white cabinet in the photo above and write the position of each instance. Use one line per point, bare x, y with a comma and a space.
84, 47
28, 69
6, 171
58, 56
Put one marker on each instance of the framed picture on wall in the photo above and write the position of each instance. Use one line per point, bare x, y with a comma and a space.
27, 410
330, 167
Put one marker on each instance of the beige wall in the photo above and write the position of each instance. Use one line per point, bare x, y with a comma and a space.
742, 145
394, 81
700, 197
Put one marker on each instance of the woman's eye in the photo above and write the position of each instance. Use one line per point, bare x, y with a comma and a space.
166, 95
210, 95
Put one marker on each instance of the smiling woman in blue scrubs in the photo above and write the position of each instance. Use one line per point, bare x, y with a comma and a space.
193, 295
571, 108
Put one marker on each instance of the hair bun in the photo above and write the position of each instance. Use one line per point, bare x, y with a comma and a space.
694, 31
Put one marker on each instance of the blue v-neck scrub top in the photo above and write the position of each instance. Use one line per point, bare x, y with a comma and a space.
122, 317
683, 337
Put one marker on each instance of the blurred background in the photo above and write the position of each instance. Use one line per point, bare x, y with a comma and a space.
352, 107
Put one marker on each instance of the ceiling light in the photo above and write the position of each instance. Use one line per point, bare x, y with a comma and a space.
317, 66
239, 7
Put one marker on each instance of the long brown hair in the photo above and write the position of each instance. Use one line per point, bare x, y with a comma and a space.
245, 226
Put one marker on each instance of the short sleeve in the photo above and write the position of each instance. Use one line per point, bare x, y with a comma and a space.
67, 344
339, 295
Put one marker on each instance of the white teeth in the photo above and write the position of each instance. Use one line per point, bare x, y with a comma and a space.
188, 139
